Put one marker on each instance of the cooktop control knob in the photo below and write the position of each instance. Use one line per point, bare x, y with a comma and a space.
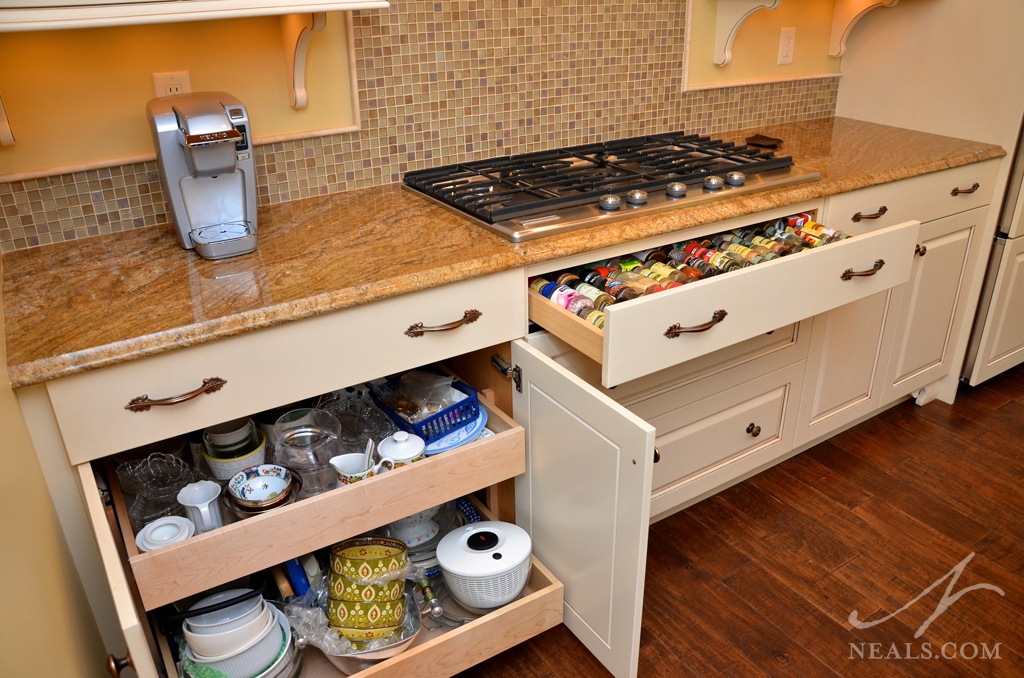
735, 178
609, 202
636, 197
676, 189
713, 182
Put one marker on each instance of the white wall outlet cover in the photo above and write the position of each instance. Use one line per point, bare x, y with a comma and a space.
787, 44
172, 83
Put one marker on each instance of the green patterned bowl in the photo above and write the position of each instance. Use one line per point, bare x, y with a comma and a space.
368, 558
359, 635
360, 615
343, 588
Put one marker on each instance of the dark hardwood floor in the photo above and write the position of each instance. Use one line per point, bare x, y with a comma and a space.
761, 580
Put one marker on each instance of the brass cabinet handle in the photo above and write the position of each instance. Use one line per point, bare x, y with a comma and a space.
877, 215
418, 330
657, 454
753, 429
959, 191
677, 329
143, 403
115, 665
920, 250
849, 273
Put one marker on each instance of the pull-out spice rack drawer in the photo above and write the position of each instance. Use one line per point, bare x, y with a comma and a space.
283, 364
654, 332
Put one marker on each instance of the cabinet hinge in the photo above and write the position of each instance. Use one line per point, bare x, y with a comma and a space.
514, 373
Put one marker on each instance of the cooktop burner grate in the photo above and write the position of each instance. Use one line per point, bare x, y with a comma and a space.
517, 186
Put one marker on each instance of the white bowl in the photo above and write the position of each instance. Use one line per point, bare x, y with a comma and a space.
227, 619
224, 469
279, 667
252, 660
226, 642
229, 433
164, 531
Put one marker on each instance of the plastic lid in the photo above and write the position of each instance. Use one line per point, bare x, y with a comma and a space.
228, 613
484, 549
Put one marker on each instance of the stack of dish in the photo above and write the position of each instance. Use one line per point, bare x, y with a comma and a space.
256, 489
366, 588
164, 531
249, 639
232, 446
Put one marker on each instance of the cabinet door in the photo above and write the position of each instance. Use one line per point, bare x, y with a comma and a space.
585, 500
1001, 343
933, 303
846, 365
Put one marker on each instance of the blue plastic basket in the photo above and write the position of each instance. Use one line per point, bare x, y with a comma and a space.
439, 424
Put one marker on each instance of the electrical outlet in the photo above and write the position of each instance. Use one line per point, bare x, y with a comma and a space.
787, 40
170, 84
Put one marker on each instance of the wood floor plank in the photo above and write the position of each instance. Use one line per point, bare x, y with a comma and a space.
805, 469
565, 655
904, 496
885, 456
1005, 552
707, 550
516, 662
657, 662
762, 643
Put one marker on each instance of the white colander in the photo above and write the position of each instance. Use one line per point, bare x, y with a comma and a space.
485, 564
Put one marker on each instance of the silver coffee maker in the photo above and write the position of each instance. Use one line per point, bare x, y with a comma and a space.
204, 151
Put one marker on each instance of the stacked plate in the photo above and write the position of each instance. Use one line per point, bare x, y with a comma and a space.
248, 639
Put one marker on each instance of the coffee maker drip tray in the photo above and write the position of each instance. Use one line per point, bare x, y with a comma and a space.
220, 241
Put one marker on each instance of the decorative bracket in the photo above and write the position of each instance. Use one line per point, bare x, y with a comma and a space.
297, 30
731, 15
6, 133
845, 16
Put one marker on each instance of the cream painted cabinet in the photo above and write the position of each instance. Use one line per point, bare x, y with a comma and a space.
1001, 343
933, 303
846, 365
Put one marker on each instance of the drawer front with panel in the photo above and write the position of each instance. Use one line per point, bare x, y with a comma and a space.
742, 426
637, 339
926, 197
283, 364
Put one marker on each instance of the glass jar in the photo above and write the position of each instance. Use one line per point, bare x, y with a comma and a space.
306, 441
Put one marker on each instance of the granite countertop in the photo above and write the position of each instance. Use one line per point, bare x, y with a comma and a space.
90, 303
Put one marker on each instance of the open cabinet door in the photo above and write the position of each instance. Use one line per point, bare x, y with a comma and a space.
585, 499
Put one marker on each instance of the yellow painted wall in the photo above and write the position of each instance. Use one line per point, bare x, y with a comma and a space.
46, 625
79, 96
755, 51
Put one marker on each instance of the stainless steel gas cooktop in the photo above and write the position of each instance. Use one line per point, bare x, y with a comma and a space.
533, 195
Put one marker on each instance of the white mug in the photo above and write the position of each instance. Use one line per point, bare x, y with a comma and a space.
200, 502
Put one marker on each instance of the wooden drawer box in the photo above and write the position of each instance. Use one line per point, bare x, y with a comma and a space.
743, 426
144, 581
757, 299
281, 364
923, 198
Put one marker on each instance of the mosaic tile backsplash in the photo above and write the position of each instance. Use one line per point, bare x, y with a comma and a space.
443, 82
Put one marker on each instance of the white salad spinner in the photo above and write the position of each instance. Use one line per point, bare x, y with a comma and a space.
485, 564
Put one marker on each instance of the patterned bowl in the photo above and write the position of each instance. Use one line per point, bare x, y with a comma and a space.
358, 635
372, 615
260, 486
368, 558
343, 588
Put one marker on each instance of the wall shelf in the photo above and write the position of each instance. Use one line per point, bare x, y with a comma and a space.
23, 16
845, 16
731, 15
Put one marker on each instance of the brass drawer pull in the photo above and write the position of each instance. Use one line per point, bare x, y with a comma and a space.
418, 330
657, 455
143, 403
849, 273
920, 250
877, 215
115, 665
677, 329
960, 191
753, 429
